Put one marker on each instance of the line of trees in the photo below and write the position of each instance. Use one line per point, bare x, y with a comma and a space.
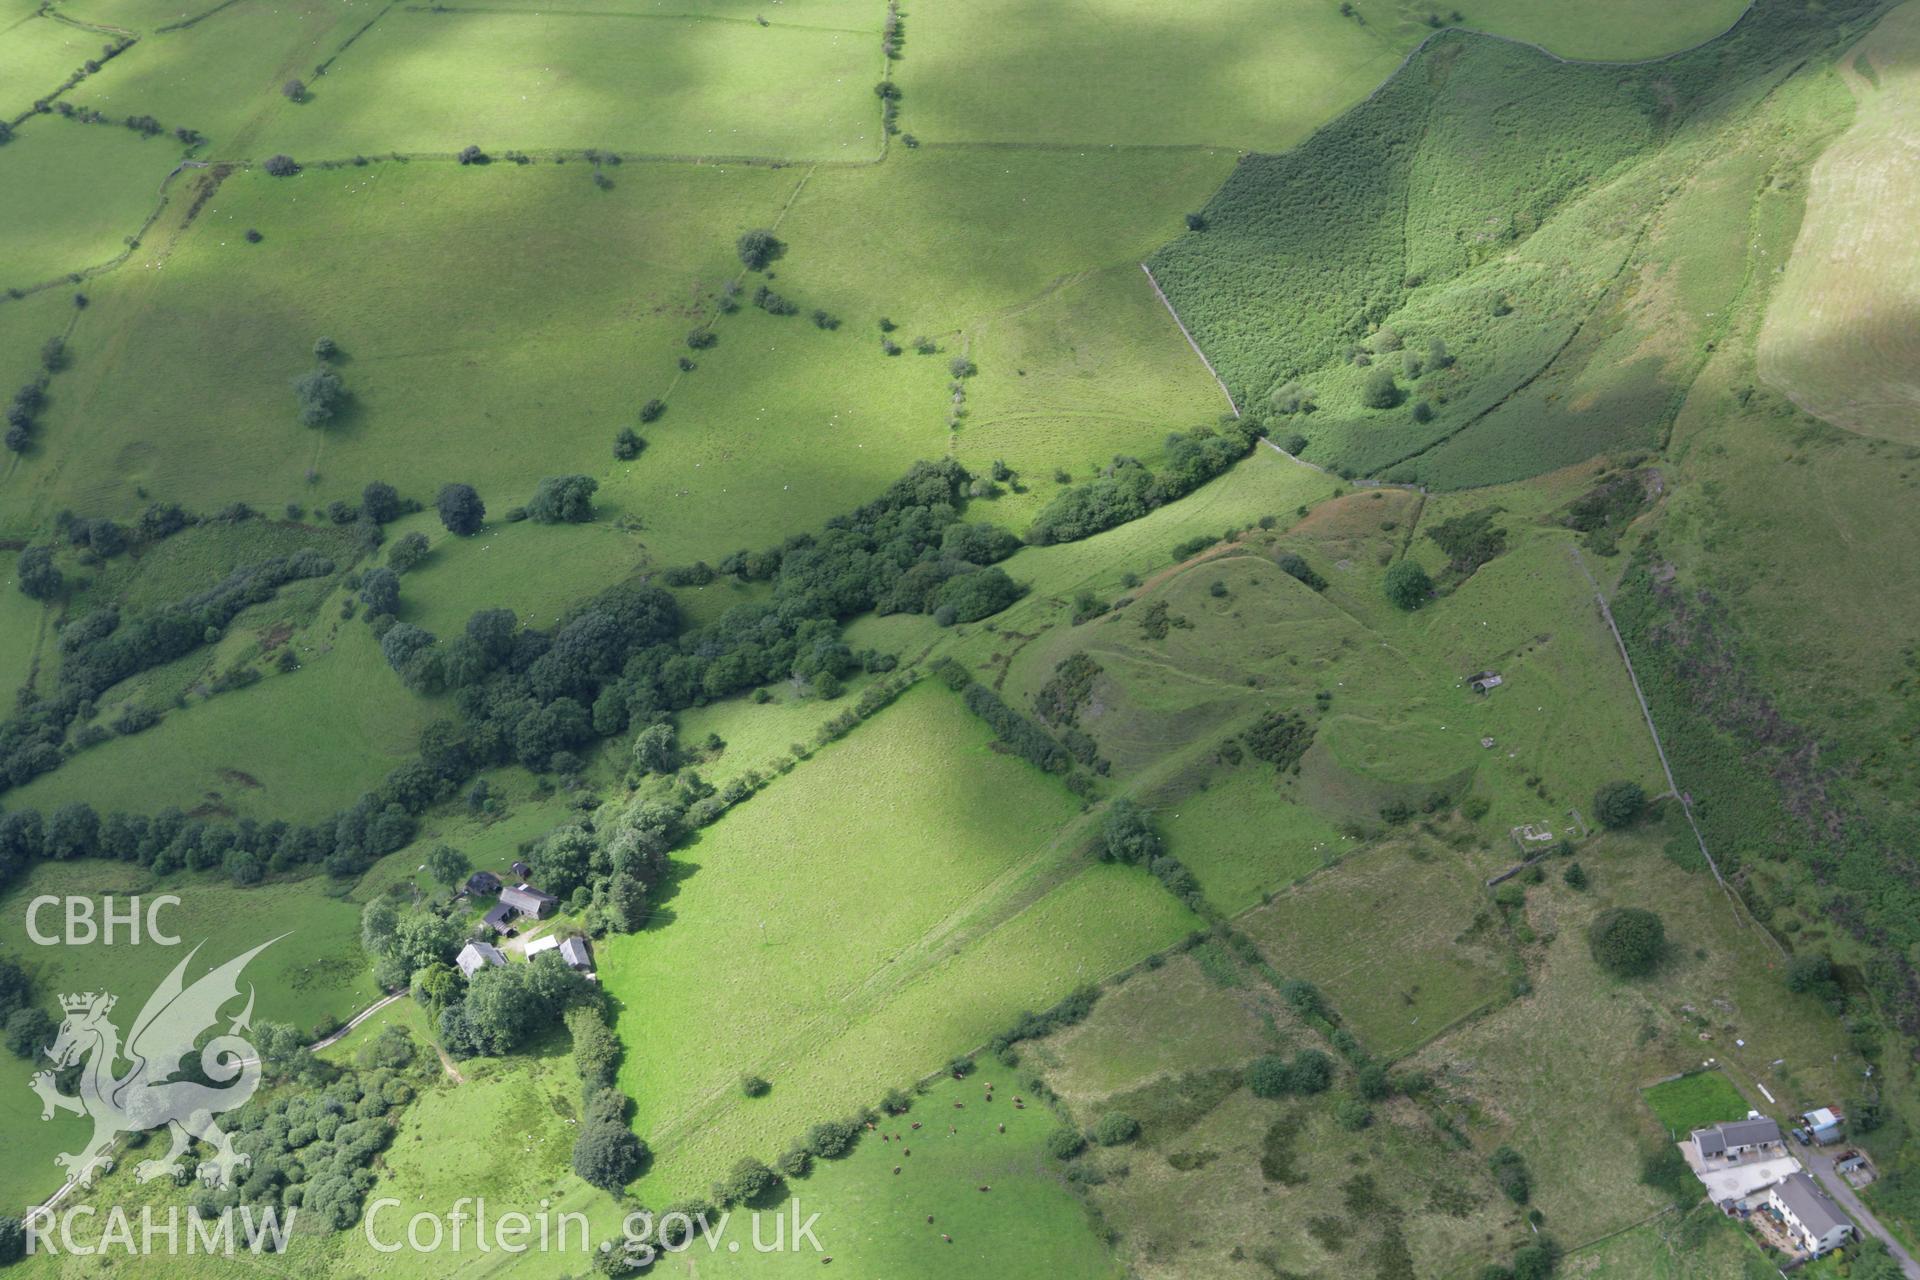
1127, 490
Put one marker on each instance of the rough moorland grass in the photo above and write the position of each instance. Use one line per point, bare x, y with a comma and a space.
484, 299
898, 899
436, 81
1400, 936
71, 194
1704, 1245
1164, 1022
305, 979
1419, 212
1398, 723
1207, 1191
1505, 1075
1229, 73
1695, 1101
1837, 338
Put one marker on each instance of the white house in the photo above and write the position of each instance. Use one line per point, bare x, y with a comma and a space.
1737, 1138
476, 956
1815, 1222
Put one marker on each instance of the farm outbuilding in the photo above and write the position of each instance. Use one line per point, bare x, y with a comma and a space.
1823, 1125
529, 901
482, 884
476, 956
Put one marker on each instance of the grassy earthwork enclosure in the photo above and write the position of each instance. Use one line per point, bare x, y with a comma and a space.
1151, 878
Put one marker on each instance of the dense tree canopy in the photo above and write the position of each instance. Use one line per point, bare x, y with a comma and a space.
1628, 941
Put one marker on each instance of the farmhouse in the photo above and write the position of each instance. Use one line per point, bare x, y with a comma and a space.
574, 952
483, 883
500, 919
1737, 1139
1814, 1222
476, 956
528, 901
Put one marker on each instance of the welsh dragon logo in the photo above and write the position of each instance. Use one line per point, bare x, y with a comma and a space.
150, 1092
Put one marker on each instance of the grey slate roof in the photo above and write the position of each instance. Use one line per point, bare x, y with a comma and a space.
476, 956
526, 899
1809, 1205
1735, 1133
500, 919
574, 952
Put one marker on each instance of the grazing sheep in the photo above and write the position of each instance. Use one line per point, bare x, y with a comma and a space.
946, 1237
1003, 1128
896, 1168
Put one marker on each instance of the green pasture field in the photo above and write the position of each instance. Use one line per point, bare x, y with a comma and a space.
1400, 936
1507, 1074
308, 978
538, 571
875, 1222
840, 940
583, 288
1265, 483
1225, 73
783, 426
22, 624
297, 745
944, 238
1620, 32
71, 194
435, 81
758, 734
1091, 370
1695, 1101
222, 75
37, 54
1242, 836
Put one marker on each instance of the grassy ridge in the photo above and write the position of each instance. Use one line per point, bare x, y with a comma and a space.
1518, 210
